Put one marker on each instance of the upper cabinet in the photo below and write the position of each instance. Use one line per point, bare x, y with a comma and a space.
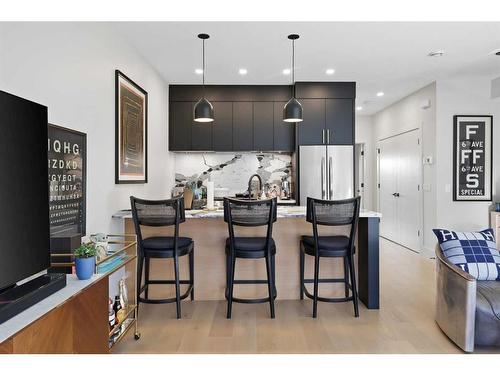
249, 118
328, 110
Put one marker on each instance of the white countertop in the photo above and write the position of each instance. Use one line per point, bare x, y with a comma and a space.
28, 316
283, 212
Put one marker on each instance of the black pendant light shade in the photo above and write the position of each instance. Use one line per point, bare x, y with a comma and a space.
292, 111
203, 110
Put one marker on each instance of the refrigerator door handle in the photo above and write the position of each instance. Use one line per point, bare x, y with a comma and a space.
323, 135
328, 136
323, 182
330, 177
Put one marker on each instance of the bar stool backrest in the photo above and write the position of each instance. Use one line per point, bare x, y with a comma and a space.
334, 213
157, 213
249, 213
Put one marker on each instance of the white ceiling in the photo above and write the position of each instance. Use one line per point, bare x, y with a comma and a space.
379, 56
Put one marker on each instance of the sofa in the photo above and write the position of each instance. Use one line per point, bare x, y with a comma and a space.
467, 310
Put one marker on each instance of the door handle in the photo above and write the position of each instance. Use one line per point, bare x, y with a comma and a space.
323, 188
395, 194
330, 178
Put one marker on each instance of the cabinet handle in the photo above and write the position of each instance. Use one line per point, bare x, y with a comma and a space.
328, 136
323, 135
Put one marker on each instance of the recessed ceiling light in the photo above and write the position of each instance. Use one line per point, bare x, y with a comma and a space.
242, 71
286, 71
380, 93
198, 71
435, 54
330, 71
359, 108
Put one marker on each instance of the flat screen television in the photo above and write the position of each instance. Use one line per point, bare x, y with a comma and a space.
24, 197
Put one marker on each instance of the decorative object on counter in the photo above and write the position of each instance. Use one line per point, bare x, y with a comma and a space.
497, 207
472, 158
188, 198
67, 154
131, 149
210, 195
85, 260
100, 241
230, 172
285, 188
203, 110
292, 111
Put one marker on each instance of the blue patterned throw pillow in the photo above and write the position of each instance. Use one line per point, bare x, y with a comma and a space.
474, 252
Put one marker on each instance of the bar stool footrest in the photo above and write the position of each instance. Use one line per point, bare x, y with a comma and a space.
165, 300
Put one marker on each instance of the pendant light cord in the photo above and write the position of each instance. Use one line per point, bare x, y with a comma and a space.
203, 67
293, 66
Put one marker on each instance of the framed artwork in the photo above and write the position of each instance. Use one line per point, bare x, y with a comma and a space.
472, 158
131, 149
67, 154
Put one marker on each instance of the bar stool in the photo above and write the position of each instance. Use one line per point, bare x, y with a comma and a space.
162, 213
330, 213
248, 213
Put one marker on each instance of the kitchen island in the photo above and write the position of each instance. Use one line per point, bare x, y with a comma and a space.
209, 232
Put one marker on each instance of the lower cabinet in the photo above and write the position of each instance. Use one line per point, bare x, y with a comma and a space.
80, 325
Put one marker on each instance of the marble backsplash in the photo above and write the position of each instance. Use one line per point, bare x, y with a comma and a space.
232, 171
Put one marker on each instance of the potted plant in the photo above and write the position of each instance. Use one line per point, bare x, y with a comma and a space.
85, 260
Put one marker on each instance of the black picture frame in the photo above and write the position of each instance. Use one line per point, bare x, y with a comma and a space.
83, 145
119, 177
489, 171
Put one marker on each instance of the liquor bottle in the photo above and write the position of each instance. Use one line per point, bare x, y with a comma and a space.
123, 293
116, 308
111, 315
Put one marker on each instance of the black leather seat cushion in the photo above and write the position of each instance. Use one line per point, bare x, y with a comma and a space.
487, 332
163, 247
329, 246
250, 247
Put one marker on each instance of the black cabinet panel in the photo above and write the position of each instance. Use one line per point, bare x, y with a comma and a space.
311, 129
325, 90
263, 118
340, 121
201, 136
180, 119
284, 132
222, 136
230, 93
243, 126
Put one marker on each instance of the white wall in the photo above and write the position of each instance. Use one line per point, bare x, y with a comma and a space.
364, 134
463, 95
405, 115
69, 67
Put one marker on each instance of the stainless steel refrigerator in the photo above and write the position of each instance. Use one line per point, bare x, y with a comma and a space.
326, 172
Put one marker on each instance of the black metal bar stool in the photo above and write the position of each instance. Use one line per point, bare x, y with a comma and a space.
248, 213
330, 213
162, 213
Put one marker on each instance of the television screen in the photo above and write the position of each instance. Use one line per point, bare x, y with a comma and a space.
24, 208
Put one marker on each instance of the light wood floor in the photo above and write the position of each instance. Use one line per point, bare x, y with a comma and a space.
404, 324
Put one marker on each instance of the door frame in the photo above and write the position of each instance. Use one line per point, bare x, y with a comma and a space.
420, 203
362, 146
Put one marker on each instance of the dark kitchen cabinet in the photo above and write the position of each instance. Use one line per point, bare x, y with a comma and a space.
311, 131
180, 120
243, 126
340, 121
222, 131
263, 118
284, 132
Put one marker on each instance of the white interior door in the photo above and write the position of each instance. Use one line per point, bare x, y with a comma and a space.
399, 192
388, 161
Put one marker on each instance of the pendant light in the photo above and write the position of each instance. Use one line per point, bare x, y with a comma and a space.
203, 110
292, 111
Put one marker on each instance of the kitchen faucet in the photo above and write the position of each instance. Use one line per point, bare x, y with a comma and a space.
250, 186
